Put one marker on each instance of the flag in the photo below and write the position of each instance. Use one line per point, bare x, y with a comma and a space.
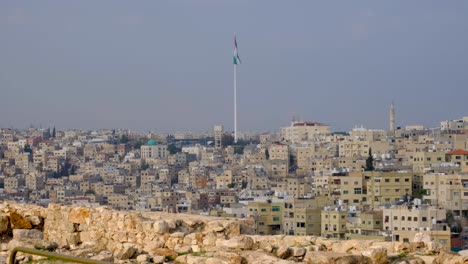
236, 55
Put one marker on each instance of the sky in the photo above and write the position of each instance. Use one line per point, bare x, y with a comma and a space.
166, 65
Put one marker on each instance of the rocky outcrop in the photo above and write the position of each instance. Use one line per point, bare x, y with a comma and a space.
143, 237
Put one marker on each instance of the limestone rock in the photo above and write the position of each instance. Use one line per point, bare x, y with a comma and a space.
228, 257
169, 254
161, 227
258, 257
298, 251
320, 257
239, 242
283, 252
377, 254
28, 234
4, 223
265, 246
78, 215
449, 258
104, 256
143, 258
125, 251
17, 221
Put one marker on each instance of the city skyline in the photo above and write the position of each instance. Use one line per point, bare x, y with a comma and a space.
167, 66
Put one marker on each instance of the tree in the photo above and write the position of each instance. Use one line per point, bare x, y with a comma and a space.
124, 139
137, 145
53, 132
227, 140
173, 149
267, 154
27, 148
369, 162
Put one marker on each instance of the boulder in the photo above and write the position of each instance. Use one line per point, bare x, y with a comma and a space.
18, 221
161, 227
320, 257
449, 258
298, 252
4, 223
125, 251
104, 256
283, 252
259, 257
169, 254
143, 258
78, 215
377, 254
239, 242
28, 234
228, 257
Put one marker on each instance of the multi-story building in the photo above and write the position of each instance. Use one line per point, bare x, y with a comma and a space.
304, 131
449, 191
268, 216
403, 222
459, 157
387, 187
153, 150
301, 216
333, 222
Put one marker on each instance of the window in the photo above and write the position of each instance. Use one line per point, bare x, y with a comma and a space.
402, 218
424, 219
263, 210
409, 218
276, 218
397, 180
395, 217
415, 219
406, 180
387, 180
275, 209
357, 191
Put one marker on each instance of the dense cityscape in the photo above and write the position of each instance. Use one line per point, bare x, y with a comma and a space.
301, 180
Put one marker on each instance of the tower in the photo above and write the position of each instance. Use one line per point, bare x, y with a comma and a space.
218, 135
392, 119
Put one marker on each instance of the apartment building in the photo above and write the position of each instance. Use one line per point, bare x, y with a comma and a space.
387, 187
268, 216
300, 131
449, 191
459, 157
333, 222
405, 221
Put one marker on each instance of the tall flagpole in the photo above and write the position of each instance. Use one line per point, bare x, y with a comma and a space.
235, 103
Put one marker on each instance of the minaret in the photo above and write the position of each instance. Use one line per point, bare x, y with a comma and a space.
392, 119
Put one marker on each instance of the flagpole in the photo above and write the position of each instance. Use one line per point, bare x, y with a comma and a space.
235, 103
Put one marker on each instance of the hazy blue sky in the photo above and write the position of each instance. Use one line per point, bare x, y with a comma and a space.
167, 65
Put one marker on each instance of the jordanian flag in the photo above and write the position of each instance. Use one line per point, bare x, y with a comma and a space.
236, 55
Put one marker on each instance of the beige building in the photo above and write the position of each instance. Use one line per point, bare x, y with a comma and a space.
387, 187
218, 136
268, 216
356, 148
422, 161
225, 180
405, 221
333, 222
365, 225
447, 191
459, 157
304, 131
301, 216
153, 150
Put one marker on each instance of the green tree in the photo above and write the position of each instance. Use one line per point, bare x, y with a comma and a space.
53, 132
124, 139
227, 140
267, 154
138, 144
173, 149
369, 162
27, 148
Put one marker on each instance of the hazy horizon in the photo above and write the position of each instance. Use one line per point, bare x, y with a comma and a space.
166, 66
